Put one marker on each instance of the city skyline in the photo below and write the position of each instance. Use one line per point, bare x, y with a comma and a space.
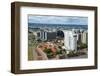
57, 37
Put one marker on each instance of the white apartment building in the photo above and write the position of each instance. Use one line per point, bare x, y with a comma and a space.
70, 40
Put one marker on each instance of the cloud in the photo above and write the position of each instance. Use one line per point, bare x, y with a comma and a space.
58, 19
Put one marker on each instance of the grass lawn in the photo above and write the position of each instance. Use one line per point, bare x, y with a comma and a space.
30, 53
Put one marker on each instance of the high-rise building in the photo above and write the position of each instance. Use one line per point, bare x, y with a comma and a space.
70, 40
46, 35
42, 35
84, 38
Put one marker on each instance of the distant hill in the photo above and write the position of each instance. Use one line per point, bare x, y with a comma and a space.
38, 25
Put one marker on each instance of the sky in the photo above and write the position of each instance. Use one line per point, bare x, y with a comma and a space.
58, 19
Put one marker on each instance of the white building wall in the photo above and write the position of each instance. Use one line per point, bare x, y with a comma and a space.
75, 42
66, 40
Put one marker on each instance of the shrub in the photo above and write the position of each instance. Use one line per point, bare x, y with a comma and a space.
82, 46
49, 53
72, 54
